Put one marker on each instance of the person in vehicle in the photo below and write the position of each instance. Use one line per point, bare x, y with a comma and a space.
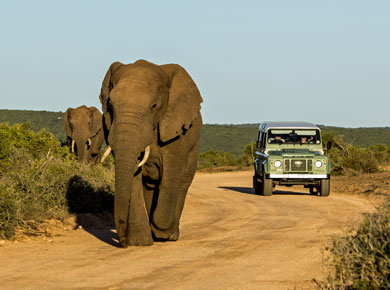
276, 139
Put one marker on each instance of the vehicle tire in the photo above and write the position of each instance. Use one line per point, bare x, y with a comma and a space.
324, 187
267, 186
257, 186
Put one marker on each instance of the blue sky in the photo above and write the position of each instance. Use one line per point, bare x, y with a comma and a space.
326, 62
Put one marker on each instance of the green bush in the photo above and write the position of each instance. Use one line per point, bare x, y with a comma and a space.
8, 212
361, 259
381, 153
348, 159
38, 176
20, 139
212, 159
215, 159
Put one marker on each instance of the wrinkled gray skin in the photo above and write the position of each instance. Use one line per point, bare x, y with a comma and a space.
146, 104
81, 124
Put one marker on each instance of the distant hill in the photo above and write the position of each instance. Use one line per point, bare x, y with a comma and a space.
51, 121
227, 138
224, 138
233, 138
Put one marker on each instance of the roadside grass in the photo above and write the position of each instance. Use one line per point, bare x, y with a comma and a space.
361, 258
41, 180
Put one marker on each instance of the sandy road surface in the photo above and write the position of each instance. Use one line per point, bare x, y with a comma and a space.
230, 239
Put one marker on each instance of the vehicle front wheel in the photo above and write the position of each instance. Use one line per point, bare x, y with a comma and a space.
325, 187
267, 186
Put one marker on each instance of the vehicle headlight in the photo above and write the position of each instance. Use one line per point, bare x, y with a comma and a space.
318, 163
278, 163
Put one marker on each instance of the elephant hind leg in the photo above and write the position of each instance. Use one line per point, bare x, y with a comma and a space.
183, 189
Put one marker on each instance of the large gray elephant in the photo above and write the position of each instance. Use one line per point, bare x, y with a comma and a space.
152, 124
84, 129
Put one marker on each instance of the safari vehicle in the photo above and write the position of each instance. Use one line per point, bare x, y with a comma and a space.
291, 153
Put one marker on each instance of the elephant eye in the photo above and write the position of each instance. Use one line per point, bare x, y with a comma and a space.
154, 106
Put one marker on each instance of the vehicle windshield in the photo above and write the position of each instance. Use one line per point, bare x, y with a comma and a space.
293, 136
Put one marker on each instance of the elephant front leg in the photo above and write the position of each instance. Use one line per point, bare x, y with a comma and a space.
139, 232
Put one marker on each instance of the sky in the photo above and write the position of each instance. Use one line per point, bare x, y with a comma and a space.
325, 62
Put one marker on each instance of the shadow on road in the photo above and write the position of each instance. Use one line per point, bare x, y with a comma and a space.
250, 190
94, 208
246, 190
287, 192
100, 226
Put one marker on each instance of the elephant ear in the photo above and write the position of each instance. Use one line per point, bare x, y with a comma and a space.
67, 128
183, 103
105, 91
96, 121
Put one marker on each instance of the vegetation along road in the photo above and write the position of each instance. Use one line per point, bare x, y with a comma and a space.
230, 239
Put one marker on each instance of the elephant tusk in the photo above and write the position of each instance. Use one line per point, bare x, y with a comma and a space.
89, 142
105, 155
146, 156
72, 146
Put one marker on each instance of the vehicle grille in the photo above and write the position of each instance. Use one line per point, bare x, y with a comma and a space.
287, 165
298, 165
309, 165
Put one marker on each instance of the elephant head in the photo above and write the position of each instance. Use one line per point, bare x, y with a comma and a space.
82, 125
145, 108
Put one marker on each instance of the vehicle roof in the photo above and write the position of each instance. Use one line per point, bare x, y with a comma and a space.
287, 125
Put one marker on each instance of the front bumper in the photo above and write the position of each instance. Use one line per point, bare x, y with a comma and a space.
298, 176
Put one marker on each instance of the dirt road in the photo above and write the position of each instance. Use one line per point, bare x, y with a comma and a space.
230, 239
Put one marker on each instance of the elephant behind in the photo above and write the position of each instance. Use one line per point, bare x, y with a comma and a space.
152, 124
84, 129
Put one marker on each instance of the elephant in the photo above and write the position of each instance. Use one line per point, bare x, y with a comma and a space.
152, 124
84, 128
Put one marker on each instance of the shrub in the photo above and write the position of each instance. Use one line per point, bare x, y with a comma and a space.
20, 139
381, 153
37, 177
212, 159
361, 259
248, 155
346, 158
8, 211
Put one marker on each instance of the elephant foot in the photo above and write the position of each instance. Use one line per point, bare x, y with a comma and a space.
124, 242
136, 240
175, 235
167, 235
141, 242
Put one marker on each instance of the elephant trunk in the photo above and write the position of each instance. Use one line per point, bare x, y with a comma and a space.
125, 167
129, 143
81, 146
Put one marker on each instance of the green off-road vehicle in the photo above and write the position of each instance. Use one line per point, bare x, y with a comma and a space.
291, 153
